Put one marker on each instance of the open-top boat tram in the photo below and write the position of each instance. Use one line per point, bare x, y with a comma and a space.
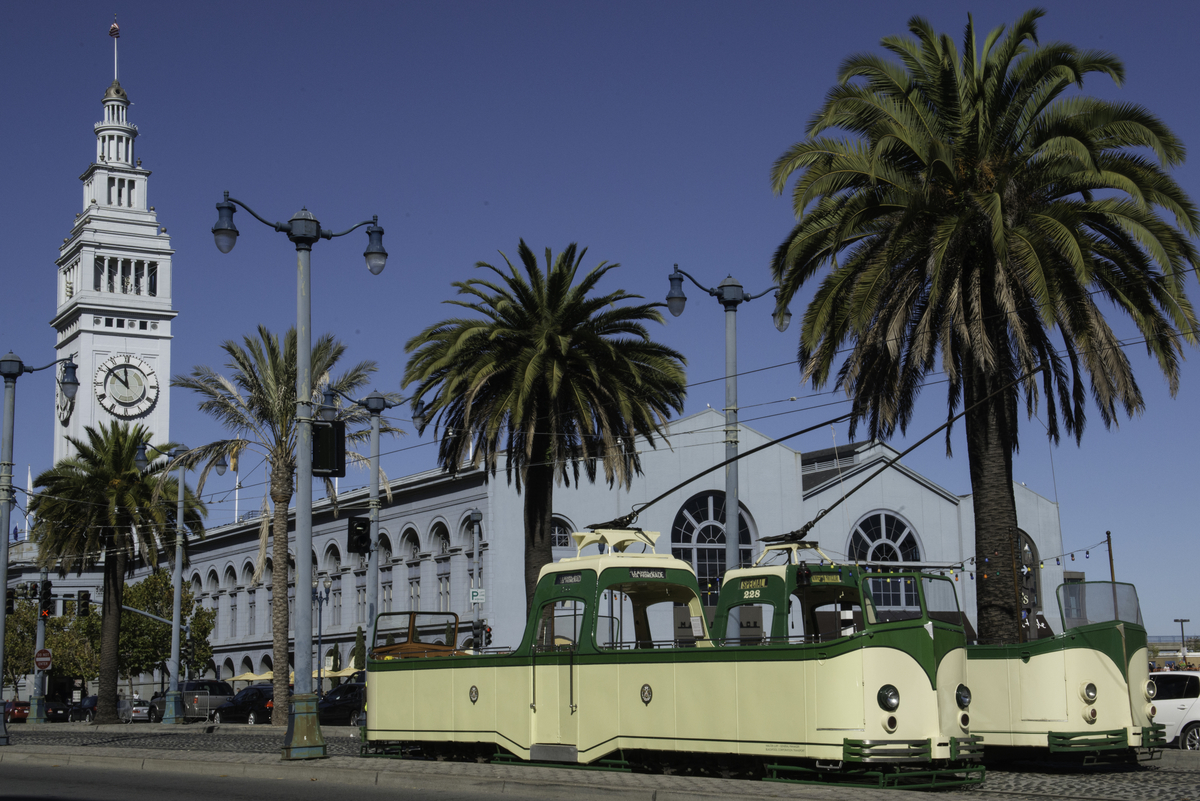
617, 666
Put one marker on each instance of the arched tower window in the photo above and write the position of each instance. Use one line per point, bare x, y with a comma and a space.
885, 537
698, 537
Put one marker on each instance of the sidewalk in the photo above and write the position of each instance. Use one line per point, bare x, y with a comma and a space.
517, 780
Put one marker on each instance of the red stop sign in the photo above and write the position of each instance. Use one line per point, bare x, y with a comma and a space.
42, 659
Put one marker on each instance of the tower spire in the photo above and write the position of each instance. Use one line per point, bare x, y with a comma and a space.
115, 33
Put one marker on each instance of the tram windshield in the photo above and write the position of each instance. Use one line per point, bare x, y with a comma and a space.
415, 634
1090, 602
643, 614
941, 601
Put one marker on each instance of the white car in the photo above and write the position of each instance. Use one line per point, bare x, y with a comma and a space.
1178, 702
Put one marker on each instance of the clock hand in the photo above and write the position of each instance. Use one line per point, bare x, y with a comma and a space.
124, 380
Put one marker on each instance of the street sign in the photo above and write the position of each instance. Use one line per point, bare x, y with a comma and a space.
42, 659
478, 595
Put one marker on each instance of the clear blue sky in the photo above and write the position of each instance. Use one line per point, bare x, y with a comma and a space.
644, 131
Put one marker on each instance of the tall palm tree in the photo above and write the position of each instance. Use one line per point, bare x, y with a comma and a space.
97, 505
258, 404
553, 377
977, 214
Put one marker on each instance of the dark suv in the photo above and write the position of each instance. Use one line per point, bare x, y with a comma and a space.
252, 705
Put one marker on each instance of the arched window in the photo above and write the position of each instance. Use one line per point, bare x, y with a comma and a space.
1031, 575
560, 533
885, 537
698, 537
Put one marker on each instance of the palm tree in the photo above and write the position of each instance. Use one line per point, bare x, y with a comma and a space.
258, 404
97, 505
977, 214
550, 376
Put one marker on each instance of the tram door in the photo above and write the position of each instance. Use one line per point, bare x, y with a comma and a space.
555, 726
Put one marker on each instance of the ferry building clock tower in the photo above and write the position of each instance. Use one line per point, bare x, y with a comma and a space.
114, 291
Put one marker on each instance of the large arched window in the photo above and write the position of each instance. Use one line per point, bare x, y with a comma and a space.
885, 537
698, 537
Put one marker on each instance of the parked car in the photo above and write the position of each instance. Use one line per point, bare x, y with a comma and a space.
1178, 706
200, 698
15, 710
134, 709
85, 710
252, 705
343, 706
56, 711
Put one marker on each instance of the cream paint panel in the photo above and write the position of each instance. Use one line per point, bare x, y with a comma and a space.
546, 717
433, 701
839, 696
656, 719
481, 715
1139, 674
708, 706
1000, 724
917, 716
599, 718
1041, 685
991, 710
952, 672
770, 707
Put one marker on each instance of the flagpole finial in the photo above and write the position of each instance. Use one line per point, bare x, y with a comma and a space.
115, 33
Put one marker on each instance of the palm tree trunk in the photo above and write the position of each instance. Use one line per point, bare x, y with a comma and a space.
990, 454
110, 635
281, 496
539, 514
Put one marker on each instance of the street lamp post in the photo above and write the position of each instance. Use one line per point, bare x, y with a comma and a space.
1182, 641
475, 518
11, 367
303, 739
321, 598
375, 403
729, 294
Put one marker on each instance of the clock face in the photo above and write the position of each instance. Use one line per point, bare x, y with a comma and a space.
126, 386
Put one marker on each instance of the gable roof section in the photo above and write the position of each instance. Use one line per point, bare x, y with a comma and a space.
851, 464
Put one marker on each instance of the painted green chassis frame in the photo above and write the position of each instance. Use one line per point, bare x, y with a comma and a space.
865, 659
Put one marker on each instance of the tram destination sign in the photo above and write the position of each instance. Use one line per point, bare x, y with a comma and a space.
647, 573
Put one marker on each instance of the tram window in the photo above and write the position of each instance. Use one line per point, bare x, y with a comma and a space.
559, 626
645, 615
895, 598
755, 624
941, 601
821, 614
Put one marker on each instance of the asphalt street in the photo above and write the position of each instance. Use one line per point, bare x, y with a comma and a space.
217, 758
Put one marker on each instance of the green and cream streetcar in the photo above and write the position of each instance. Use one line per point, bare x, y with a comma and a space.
617, 663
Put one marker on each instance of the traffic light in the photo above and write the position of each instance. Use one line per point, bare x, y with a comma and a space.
358, 535
185, 652
83, 607
487, 636
10, 601
329, 449
477, 634
47, 600
33, 590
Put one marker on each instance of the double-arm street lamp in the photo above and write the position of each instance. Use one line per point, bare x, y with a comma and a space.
11, 367
303, 739
320, 599
729, 294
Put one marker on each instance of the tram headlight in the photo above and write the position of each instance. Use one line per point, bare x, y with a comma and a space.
1088, 692
889, 698
963, 696
1151, 689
